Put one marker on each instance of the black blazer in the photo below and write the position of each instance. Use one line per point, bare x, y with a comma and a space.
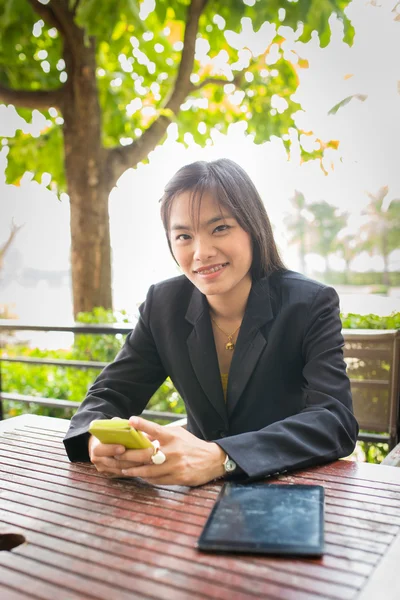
288, 403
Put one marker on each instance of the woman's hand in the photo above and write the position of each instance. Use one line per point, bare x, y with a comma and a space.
107, 457
189, 460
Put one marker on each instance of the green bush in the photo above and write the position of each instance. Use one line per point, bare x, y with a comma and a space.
370, 452
69, 383
372, 278
354, 321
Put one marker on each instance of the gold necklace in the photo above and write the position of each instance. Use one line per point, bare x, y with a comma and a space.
230, 345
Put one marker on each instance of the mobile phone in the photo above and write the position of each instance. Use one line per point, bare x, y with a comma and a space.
119, 431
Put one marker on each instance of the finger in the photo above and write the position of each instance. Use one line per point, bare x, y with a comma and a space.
107, 463
125, 464
142, 456
146, 471
164, 480
152, 429
108, 468
112, 472
108, 450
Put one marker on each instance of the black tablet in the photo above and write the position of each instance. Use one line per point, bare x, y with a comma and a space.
266, 518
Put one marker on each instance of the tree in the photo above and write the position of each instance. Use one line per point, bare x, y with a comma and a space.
347, 246
381, 233
324, 228
297, 225
110, 77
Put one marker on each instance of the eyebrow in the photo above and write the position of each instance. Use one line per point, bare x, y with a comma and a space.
178, 226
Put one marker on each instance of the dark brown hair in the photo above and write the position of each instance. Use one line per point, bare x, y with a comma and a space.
234, 190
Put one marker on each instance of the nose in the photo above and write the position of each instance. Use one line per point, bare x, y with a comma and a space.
204, 249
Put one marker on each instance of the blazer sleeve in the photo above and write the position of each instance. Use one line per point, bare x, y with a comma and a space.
326, 428
123, 387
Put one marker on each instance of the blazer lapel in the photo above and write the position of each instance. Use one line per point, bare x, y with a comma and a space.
250, 343
203, 354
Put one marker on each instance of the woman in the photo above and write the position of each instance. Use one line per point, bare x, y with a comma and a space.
254, 350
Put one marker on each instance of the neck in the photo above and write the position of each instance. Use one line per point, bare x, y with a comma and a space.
231, 306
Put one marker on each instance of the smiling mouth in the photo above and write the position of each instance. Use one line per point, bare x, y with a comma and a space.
208, 270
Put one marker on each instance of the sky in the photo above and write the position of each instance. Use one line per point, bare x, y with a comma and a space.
369, 135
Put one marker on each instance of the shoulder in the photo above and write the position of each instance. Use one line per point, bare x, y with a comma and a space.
292, 279
294, 288
297, 281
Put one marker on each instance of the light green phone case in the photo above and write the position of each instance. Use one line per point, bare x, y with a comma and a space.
118, 431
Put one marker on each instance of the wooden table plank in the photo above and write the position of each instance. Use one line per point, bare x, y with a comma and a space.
114, 538
46, 423
386, 576
9, 594
38, 588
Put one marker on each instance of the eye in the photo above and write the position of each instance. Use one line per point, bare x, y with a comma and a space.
182, 237
221, 228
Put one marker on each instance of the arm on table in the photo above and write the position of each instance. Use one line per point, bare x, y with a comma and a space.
325, 429
122, 389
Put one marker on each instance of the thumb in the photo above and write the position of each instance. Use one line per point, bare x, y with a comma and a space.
154, 430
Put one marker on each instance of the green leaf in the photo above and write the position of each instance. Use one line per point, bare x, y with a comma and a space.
133, 9
38, 155
334, 109
349, 31
161, 11
306, 35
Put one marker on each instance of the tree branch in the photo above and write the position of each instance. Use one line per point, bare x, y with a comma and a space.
75, 7
58, 15
182, 83
3, 249
121, 158
39, 99
72, 33
216, 81
208, 81
46, 12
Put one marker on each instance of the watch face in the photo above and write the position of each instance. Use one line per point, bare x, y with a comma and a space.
230, 465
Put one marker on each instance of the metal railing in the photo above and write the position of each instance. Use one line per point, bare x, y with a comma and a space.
77, 328
375, 344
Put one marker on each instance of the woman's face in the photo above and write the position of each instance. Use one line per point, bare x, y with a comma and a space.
215, 253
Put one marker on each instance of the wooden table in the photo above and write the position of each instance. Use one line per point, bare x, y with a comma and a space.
89, 536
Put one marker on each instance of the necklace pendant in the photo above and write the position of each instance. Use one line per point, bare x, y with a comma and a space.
230, 346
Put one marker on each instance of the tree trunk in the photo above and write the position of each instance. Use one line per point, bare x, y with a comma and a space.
386, 278
303, 265
385, 255
89, 183
346, 271
327, 267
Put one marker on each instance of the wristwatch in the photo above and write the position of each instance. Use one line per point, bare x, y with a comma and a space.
229, 464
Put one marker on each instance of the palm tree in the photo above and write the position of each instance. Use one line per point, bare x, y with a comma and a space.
297, 224
324, 228
381, 233
347, 247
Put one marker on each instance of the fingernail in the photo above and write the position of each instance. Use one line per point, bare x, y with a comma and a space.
120, 450
124, 471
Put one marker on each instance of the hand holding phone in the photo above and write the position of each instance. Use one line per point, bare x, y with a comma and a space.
119, 431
